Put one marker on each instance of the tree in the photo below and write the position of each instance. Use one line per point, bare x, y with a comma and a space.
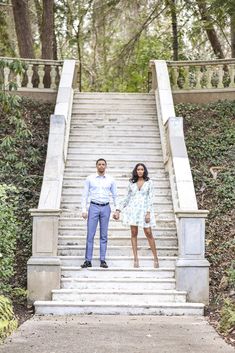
23, 28
47, 30
175, 45
209, 28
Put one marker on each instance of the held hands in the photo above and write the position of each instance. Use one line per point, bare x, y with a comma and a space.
84, 215
116, 215
147, 217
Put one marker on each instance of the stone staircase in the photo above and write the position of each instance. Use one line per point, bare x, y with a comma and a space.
123, 129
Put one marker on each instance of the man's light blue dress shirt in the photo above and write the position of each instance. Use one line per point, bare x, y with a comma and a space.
97, 188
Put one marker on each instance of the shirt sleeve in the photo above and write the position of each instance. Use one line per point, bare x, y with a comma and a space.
125, 200
85, 194
150, 197
114, 192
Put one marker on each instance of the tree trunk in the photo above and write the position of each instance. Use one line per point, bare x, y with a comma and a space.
209, 28
47, 36
175, 45
232, 28
23, 28
38, 8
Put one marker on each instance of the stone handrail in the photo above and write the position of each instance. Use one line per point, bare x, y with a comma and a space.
201, 75
46, 217
191, 267
38, 74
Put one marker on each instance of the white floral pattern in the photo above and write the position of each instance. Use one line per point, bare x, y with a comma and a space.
136, 204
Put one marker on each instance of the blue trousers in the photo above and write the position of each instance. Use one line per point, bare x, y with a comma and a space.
97, 214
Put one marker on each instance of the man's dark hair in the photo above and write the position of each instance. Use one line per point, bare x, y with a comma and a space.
101, 159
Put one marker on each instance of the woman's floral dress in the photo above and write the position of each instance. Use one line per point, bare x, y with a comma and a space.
136, 204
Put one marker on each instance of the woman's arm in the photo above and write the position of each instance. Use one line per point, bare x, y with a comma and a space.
125, 200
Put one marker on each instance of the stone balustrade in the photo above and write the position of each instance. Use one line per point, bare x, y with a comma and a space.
37, 74
202, 75
192, 269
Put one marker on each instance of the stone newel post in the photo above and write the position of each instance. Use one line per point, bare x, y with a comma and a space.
192, 269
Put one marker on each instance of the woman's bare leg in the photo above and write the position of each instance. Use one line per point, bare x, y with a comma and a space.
149, 235
134, 233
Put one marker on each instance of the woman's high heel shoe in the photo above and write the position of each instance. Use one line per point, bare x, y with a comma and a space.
155, 263
136, 263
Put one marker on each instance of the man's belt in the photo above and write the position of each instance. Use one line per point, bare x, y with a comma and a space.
99, 204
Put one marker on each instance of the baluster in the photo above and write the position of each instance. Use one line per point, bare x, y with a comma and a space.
175, 75
53, 77
6, 76
186, 78
209, 73
29, 74
220, 77
232, 75
198, 77
18, 80
60, 70
41, 75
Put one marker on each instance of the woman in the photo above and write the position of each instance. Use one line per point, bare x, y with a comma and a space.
137, 207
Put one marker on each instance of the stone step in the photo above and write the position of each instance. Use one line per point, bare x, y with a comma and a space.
120, 261
106, 95
139, 118
72, 199
114, 159
109, 138
118, 283
78, 220
114, 225
105, 307
121, 182
147, 125
125, 109
165, 230
114, 99
135, 297
112, 250
105, 133
122, 191
115, 106
112, 273
113, 153
115, 171
76, 208
113, 165
161, 241
103, 146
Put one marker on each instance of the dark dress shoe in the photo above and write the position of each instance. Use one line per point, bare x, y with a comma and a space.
103, 264
86, 264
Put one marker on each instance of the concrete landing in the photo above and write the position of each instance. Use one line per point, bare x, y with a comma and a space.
115, 334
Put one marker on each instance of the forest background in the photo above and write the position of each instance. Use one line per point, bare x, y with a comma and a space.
115, 39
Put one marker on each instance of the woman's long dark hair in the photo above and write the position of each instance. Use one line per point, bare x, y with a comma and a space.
135, 177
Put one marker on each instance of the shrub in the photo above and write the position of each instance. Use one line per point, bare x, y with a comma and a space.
8, 234
8, 322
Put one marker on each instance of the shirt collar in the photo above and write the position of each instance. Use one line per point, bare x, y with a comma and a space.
97, 175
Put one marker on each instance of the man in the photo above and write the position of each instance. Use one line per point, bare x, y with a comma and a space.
98, 188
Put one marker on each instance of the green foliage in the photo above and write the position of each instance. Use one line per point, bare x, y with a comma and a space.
8, 322
9, 228
227, 321
23, 142
231, 275
15, 67
6, 48
210, 143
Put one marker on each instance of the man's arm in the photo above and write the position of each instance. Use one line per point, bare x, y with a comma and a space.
114, 192
85, 195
